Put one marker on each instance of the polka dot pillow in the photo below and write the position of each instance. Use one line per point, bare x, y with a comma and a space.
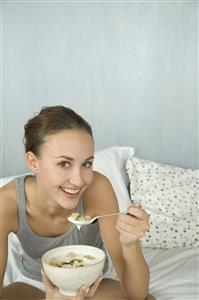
170, 195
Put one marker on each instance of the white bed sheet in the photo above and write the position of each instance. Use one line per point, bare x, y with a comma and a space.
174, 273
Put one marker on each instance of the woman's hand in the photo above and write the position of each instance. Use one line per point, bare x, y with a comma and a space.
133, 225
53, 293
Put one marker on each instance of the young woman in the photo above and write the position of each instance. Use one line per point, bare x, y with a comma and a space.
59, 150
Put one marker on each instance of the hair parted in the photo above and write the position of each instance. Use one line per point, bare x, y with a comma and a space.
51, 120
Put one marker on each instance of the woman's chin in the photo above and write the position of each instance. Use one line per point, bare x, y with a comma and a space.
69, 203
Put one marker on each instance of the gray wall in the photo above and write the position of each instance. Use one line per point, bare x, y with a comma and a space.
130, 68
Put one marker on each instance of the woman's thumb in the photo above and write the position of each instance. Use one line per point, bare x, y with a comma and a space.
82, 291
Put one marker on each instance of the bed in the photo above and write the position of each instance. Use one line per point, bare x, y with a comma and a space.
173, 258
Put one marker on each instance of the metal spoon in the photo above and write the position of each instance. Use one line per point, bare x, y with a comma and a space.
90, 221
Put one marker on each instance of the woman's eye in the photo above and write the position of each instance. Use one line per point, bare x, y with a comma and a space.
88, 164
64, 164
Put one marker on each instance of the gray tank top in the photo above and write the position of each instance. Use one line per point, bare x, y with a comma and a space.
35, 246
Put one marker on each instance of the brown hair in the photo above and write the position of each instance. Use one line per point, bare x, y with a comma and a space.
50, 120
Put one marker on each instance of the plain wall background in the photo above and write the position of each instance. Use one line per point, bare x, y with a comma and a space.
129, 68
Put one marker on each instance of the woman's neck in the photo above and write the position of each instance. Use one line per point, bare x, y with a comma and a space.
37, 201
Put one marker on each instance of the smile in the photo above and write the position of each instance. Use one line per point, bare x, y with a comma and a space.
70, 191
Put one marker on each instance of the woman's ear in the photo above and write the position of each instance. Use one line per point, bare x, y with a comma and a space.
32, 162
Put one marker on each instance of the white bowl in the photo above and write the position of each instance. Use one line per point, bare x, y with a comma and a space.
70, 279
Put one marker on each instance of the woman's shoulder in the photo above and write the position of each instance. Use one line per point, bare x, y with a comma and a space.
99, 179
100, 185
9, 189
9, 204
100, 197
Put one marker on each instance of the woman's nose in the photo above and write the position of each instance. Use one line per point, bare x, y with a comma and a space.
76, 177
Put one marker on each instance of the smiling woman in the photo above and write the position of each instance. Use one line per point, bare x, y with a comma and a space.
64, 171
59, 150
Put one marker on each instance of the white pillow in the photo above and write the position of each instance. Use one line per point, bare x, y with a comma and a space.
170, 195
111, 163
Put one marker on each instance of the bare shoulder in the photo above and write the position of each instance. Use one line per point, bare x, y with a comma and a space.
8, 191
100, 181
9, 207
100, 197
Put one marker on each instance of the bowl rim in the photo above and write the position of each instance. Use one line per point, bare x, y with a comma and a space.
73, 268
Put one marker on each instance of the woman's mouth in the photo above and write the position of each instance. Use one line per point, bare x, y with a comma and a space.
71, 193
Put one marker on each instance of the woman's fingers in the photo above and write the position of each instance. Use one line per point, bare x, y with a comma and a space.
81, 293
133, 225
48, 284
137, 211
93, 288
53, 293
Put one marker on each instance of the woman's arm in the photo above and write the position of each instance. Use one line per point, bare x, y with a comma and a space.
131, 228
8, 223
121, 235
3, 259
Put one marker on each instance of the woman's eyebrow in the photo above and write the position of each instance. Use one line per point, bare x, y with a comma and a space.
91, 157
71, 159
64, 157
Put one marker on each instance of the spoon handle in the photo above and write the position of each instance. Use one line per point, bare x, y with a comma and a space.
108, 215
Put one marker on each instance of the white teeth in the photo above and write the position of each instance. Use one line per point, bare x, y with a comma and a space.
70, 191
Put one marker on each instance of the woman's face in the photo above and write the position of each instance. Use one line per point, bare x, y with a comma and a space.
65, 166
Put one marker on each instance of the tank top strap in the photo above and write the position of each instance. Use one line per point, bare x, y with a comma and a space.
20, 189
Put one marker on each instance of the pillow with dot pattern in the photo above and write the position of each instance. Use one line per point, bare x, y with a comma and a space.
170, 195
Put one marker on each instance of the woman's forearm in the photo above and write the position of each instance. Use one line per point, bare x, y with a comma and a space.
136, 272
